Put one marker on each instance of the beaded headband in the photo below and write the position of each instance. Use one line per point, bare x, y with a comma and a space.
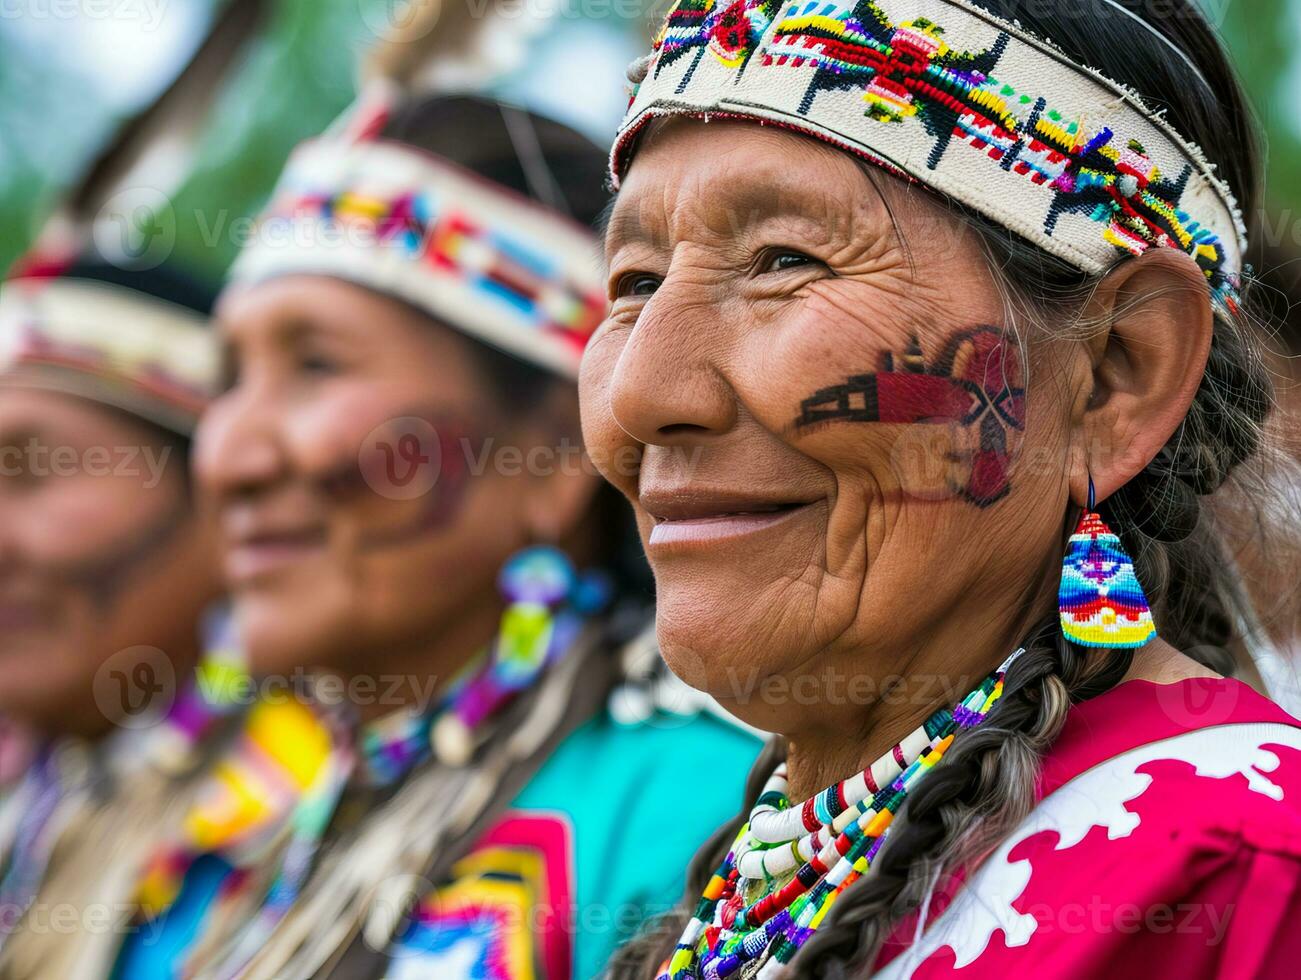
944, 93
468, 252
144, 355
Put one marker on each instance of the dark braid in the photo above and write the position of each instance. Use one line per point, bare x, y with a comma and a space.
986, 783
639, 958
990, 771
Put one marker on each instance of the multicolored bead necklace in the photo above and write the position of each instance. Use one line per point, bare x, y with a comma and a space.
286, 774
829, 841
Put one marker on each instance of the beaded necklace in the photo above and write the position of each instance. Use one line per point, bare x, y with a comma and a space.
64, 773
829, 842
549, 604
42, 788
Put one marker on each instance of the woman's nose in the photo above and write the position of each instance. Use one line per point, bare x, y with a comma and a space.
236, 448
669, 386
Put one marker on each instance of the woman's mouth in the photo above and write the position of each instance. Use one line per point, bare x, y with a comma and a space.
259, 554
686, 518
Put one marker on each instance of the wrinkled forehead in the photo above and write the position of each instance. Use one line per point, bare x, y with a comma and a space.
716, 179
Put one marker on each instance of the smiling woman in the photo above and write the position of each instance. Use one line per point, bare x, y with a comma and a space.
429, 586
103, 549
106, 565
901, 295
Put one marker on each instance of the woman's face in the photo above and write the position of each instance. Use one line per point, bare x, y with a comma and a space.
365, 480
833, 424
104, 565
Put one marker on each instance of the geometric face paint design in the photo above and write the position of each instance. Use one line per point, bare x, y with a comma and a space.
429, 464
976, 384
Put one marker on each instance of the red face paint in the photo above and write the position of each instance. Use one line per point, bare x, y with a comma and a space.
976, 383
421, 455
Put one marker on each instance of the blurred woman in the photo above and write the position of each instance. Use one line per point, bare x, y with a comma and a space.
105, 564
429, 583
951, 322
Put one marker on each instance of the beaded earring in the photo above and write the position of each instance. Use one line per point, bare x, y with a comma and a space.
1101, 602
547, 603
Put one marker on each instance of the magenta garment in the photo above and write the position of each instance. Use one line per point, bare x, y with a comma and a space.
1166, 843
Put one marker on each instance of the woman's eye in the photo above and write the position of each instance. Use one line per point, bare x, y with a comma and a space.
312, 363
20, 462
780, 260
638, 284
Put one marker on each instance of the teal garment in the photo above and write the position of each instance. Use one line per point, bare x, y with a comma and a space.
635, 801
154, 951
641, 800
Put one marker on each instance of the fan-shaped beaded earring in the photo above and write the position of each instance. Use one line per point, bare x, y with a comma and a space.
1101, 602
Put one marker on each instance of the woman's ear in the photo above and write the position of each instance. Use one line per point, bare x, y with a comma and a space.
1148, 357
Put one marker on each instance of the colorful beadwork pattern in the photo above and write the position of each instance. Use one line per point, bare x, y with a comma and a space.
1101, 601
949, 95
520, 871
268, 802
829, 842
729, 32
122, 346
471, 254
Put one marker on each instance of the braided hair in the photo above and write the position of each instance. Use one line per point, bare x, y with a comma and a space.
986, 784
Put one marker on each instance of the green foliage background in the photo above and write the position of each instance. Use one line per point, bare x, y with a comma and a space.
288, 85
299, 74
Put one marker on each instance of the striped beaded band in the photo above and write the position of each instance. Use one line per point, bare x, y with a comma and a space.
944, 93
110, 344
466, 251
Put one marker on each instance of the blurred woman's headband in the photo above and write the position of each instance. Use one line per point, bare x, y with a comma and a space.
470, 253
944, 93
110, 342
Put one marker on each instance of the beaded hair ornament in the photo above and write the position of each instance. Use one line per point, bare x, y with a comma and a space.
470, 253
118, 346
944, 93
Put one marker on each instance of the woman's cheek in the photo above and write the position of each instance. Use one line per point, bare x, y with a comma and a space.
390, 465
929, 418
614, 453
327, 433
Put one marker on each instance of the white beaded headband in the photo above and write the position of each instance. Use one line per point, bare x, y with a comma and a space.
472, 254
108, 343
951, 96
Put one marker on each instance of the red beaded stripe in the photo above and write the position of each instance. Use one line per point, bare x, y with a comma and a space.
811, 821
